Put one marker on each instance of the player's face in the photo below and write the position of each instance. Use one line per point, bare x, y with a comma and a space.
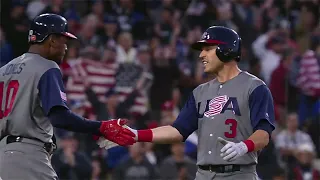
58, 48
211, 62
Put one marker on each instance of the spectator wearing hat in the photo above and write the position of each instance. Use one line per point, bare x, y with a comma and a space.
304, 170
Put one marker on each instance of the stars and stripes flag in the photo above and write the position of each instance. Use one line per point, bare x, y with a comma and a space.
63, 96
102, 77
127, 76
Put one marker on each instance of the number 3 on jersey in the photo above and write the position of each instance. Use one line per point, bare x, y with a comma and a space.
10, 95
232, 123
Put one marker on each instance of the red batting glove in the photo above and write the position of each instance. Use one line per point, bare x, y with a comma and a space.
113, 131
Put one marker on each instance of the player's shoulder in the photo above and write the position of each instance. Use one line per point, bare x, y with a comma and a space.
40, 65
204, 86
13, 61
253, 80
45, 64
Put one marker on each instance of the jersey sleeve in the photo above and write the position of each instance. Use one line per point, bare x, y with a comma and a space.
187, 121
262, 109
51, 90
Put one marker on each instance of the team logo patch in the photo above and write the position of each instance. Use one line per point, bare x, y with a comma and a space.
205, 35
32, 37
216, 105
63, 96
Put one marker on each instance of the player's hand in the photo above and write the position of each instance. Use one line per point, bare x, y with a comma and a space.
114, 131
104, 143
231, 150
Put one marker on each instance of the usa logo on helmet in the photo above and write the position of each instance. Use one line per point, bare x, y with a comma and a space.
205, 35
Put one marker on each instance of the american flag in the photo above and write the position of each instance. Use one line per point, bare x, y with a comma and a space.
63, 96
309, 74
127, 76
102, 77
98, 74
216, 105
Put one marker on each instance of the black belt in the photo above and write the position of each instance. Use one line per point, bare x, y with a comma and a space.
49, 147
220, 168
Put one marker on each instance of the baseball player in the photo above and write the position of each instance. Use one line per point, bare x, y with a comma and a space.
33, 101
232, 113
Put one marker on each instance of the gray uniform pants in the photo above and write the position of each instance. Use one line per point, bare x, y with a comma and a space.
25, 161
245, 173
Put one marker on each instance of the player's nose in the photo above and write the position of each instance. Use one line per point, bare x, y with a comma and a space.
66, 47
202, 55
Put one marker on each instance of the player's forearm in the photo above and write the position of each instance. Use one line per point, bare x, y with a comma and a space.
260, 138
163, 135
65, 119
166, 134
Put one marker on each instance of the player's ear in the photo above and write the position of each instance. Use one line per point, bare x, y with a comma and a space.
53, 41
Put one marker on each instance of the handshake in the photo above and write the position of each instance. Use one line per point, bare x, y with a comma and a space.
114, 133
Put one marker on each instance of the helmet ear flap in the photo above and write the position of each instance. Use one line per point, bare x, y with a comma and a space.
224, 53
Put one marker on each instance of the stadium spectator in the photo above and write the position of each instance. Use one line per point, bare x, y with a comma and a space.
279, 86
178, 165
268, 48
304, 169
289, 139
69, 162
136, 166
308, 81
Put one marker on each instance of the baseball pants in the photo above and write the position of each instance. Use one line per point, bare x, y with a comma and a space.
25, 161
245, 173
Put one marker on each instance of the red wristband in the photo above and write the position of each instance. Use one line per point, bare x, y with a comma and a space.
250, 145
145, 135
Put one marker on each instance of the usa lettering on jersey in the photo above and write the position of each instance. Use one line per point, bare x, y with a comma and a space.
219, 105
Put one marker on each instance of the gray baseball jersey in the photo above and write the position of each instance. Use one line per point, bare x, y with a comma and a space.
29, 87
232, 110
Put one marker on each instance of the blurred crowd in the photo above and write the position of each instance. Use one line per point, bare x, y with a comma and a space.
133, 61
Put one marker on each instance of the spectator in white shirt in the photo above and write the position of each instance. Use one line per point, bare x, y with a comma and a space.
289, 139
268, 49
